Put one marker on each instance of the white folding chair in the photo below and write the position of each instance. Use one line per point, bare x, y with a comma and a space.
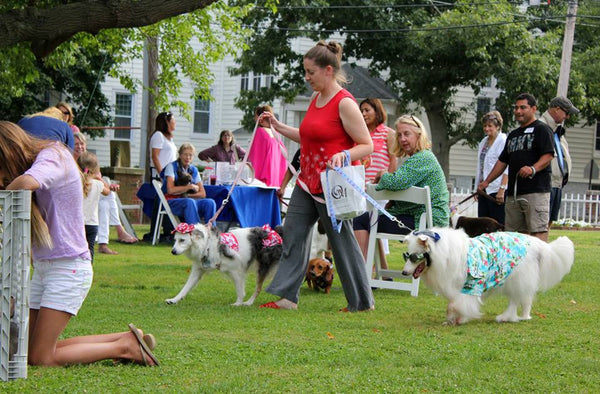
418, 195
163, 209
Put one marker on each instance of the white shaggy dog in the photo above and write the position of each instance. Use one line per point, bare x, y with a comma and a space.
233, 253
518, 270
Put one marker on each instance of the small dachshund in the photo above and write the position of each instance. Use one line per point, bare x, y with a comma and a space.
319, 275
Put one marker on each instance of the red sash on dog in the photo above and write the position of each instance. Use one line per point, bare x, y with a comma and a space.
230, 240
272, 239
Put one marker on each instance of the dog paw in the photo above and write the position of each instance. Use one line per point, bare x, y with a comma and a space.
506, 319
237, 304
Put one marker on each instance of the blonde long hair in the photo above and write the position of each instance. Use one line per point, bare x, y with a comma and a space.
18, 151
50, 112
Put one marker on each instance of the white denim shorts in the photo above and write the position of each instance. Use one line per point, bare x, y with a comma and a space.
61, 285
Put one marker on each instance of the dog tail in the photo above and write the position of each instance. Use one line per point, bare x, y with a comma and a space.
556, 262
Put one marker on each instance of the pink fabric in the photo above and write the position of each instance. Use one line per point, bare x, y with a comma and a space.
321, 136
230, 240
183, 228
272, 239
267, 159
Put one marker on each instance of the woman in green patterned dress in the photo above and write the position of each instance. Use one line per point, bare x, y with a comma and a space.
420, 168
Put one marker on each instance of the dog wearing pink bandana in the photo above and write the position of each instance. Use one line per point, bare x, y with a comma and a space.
233, 253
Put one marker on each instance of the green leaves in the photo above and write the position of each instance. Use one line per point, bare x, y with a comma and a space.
187, 46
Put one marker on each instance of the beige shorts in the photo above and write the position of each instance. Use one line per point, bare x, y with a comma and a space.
529, 213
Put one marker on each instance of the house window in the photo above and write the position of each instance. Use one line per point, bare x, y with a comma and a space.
244, 82
484, 105
256, 82
268, 81
201, 116
123, 115
597, 135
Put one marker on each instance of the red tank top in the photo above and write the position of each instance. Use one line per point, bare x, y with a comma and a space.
321, 136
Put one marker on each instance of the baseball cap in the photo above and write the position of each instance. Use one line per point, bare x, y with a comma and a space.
565, 104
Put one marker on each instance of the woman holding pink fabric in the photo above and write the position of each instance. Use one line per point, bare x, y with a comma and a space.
267, 154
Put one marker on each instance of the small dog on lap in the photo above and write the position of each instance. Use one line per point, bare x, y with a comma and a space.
183, 178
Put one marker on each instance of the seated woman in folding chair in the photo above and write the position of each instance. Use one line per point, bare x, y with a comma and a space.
183, 188
420, 168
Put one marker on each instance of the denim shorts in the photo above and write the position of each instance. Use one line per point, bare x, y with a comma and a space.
61, 284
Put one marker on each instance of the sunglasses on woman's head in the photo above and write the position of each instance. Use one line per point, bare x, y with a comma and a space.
416, 123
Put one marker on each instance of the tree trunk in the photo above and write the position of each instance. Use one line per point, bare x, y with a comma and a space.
152, 75
440, 143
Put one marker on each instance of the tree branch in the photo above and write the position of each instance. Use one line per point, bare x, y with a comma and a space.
47, 28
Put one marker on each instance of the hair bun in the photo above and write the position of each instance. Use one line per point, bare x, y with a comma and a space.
334, 47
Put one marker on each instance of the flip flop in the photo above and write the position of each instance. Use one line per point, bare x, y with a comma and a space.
271, 305
144, 348
150, 342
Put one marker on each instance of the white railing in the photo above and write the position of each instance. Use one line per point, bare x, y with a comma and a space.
577, 207
581, 207
467, 208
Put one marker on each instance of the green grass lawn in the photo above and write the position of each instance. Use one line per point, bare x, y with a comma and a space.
206, 345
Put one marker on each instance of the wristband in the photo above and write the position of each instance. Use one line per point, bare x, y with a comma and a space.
503, 187
533, 173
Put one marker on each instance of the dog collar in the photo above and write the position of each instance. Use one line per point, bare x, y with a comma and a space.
430, 234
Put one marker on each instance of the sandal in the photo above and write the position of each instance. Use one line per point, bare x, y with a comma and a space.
150, 342
144, 348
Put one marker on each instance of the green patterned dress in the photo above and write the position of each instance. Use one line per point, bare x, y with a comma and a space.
421, 169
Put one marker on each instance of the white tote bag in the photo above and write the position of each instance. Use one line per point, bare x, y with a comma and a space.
342, 199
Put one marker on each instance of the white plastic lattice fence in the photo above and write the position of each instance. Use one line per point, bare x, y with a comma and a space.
15, 244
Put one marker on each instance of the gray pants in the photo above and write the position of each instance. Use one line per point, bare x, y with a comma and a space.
303, 212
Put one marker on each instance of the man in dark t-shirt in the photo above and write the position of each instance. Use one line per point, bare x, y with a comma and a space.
527, 153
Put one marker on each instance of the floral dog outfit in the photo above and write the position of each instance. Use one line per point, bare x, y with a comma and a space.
491, 259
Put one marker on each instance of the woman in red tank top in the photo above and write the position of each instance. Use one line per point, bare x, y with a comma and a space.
333, 124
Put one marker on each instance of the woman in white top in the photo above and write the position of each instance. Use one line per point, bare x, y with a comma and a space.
490, 148
162, 148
